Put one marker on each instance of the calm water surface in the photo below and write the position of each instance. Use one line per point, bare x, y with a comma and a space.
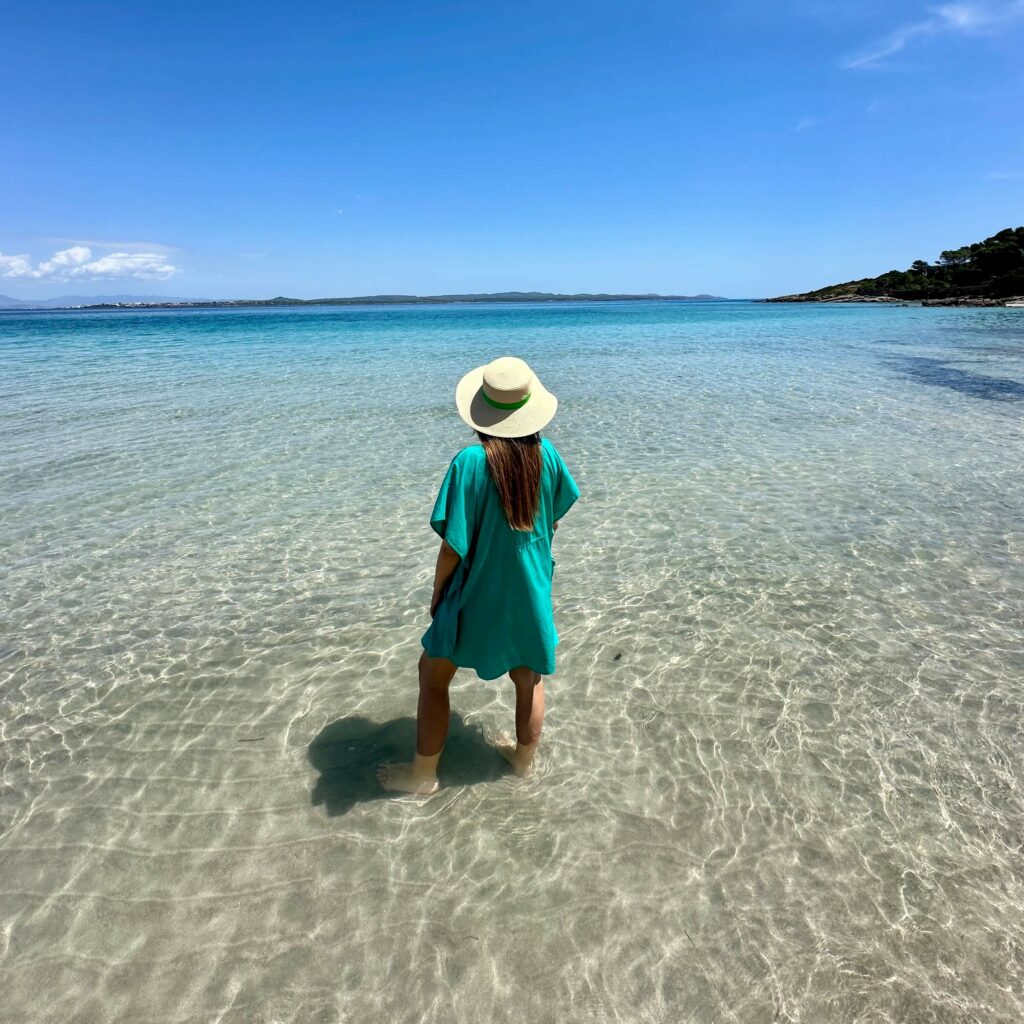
782, 769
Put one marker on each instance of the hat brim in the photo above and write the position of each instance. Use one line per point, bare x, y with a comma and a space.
478, 413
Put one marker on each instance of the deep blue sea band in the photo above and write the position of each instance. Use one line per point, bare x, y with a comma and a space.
504, 405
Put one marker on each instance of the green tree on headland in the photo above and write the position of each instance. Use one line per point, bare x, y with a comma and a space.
992, 269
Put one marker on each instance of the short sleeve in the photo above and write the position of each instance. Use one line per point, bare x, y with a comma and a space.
566, 491
454, 512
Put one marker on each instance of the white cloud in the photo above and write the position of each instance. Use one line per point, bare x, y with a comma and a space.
15, 266
962, 18
64, 263
78, 264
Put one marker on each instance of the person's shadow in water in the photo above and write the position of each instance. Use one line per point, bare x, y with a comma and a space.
347, 753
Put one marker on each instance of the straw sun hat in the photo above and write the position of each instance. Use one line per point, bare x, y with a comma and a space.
504, 399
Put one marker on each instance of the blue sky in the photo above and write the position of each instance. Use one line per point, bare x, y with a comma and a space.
739, 148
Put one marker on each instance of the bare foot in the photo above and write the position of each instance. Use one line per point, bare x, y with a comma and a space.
402, 779
517, 755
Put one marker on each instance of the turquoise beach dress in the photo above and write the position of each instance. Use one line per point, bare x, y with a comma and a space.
495, 613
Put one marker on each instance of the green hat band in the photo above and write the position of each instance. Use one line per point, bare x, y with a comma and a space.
504, 405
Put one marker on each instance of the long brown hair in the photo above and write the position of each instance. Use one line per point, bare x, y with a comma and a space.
514, 464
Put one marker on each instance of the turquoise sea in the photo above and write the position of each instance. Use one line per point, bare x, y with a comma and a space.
782, 776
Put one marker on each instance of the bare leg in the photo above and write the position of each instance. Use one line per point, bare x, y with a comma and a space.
432, 715
529, 720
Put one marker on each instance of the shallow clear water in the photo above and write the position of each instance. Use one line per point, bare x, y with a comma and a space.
781, 772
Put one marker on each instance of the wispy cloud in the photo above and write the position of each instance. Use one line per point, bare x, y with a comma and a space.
957, 18
77, 263
811, 122
890, 44
1004, 175
100, 243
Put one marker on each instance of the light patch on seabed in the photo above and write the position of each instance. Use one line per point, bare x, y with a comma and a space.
780, 778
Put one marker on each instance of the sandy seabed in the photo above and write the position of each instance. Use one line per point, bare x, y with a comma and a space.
781, 772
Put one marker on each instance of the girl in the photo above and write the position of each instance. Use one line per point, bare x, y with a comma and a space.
496, 514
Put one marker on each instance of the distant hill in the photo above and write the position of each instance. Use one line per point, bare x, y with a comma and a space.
64, 301
399, 300
170, 302
985, 273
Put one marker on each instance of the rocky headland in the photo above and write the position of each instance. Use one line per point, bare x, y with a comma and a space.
988, 273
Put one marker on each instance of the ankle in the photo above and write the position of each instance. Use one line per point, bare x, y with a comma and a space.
425, 767
525, 751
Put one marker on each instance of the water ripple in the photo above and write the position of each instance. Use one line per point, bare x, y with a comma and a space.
781, 771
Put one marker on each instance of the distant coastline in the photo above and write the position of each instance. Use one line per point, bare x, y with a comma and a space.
366, 300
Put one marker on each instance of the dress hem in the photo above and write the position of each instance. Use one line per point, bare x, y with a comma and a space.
480, 675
